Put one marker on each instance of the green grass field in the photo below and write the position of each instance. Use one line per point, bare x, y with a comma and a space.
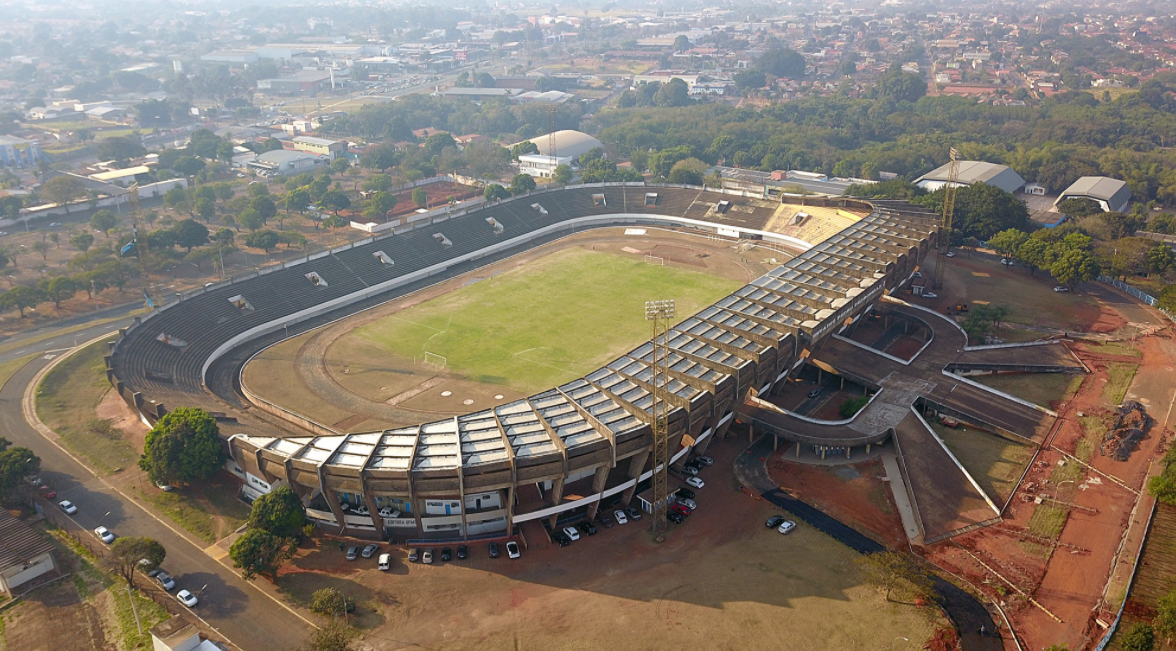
545, 323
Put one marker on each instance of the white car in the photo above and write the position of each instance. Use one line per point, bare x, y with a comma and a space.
1061, 289
385, 562
105, 535
695, 482
930, 295
951, 254
187, 598
67, 506
512, 550
571, 532
389, 512
690, 504
786, 526
620, 517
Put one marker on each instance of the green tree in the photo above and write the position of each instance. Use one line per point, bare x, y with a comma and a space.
265, 207
851, 406
1033, 253
681, 43
340, 165
206, 208
331, 602
334, 201
750, 78
523, 148
42, 247
1074, 267
58, 289
1164, 623
782, 62
120, 149
381, 203
82, 241
674, 92
981, 210
1079, 207
251, 219
901, 86
22, 298
437, 142
15, 464
137, 553
183, 447
259, 552
1140, 637
296, 200
495, 192
420, 197
895, 572
522, 183
279, 512
62, 190
188, 165
265, 240
562, 174
190, 234
335, 636
1160, 259
1008, 241
378, 183
103, 220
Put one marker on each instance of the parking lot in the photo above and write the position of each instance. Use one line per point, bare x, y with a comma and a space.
721, 576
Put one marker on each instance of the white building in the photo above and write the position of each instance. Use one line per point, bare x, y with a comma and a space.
283, 162
541, 166
1112, 195
971, 171
566, 143
25, 553
179, 634
18, 152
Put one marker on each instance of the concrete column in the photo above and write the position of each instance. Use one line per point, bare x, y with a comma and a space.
798, 450
750, 433
333, 502
867, 448
370, 501
636, 465
555, 496
842, 382
847, 451
598, 482
775, 442
823, 453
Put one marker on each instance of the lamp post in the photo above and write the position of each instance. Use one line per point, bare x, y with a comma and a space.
1059, 487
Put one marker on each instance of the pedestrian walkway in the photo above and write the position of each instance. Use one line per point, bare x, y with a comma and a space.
898, 488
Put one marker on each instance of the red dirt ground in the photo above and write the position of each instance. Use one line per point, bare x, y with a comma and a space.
849, 501
1067, 582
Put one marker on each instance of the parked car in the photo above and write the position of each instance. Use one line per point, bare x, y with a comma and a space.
67, 506
679, 509
361, 510
815, 392
951, 254
369, 551
603, 519
427, 557
414, 555
685, 492
187, 598
512, 549
385, 562
774, 521
930, 295
690, 504
1061, 289
571, 533
695, 482
689, 471
47, 492
166, 581
389, 512
676, 518
463, 552
353, 552
446, 554
634, 514
706, 461
105, 534
561, 539
621, 517
167, 488
586, 528
786, 527
918, 274
493, 550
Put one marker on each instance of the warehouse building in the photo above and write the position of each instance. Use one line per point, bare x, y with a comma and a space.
972, 171
1112, 195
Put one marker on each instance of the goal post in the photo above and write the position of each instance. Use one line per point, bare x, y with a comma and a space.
653, 259
435, 360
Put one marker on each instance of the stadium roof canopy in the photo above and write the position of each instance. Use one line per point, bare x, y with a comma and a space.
1112, 194
567, 143
972, 171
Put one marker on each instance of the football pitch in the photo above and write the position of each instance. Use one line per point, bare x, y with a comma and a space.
545, 323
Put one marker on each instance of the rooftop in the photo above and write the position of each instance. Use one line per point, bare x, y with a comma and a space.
19, 543
1098, 187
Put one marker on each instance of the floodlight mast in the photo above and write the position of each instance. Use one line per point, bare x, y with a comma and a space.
949, 196
659, 314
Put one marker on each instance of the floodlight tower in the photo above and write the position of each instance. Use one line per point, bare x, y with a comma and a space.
551, 144
659, 314
140, 245
949, 195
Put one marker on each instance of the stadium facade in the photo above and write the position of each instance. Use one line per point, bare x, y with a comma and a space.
562, 451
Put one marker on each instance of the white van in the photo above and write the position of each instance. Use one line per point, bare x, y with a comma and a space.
385, 562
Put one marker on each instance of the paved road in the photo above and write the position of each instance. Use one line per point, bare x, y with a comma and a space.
70, 339
237, 610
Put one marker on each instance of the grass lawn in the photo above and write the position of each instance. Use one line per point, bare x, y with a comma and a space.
1031, 299
209, 510
66, 400
1121, 375
1048, 520
9, 368
1038, 388
994, 462
546, 323
1115, 348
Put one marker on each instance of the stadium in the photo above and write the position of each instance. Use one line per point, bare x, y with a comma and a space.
565, 450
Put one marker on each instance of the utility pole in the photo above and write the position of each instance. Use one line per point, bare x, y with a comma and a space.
659, 314
949, 195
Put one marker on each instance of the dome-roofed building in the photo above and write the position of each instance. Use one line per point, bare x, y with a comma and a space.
568, 143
